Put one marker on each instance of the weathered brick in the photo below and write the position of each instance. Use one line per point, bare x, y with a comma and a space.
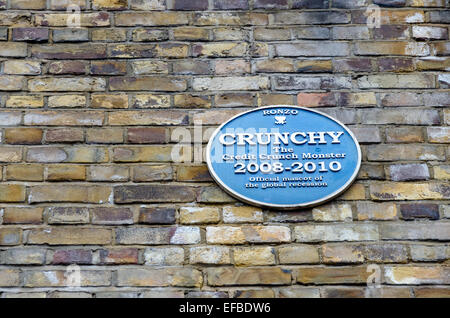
440, 16
30, 34
429, 32
22, 215
199, 215
392, 17
169, 276
72, 256
25, 172
154, 193
415, 231
251, 234
220, 49
151, 101
12, 193
414, 275
23, 136
225, 276
24, 4
332, 275
9, 277
419, 210
310, 4
441, 48
152, 173
57, 278
10, 154
69, 193
67, 118
312, 17
147, 83
67, 67
109, 101
231, 5
66, 172
71, 35
143, 154
22, 68
68, 154
344, 4
231, 83
64, 4
193, 173
10, 236
19, 101
428, 253
64, 135
119, 256
367, 134
108, 173
157, 215
388, 48
209, 255
309, 48
396, 81
409, 172
158, 236
46, 84
298, 254
333, 212
151, 18
350, 33
23, 256
150, 35
105, 136
110, 4
238, 214
336, 232
336, 254
442, 172
11, 83
164, 256
432, 292
254, 256
433, 63
69, 51
408, 191
404, 135
376, 211
213, 194
112, 216
391, 116
392, 64
66, 101
271, 34
390, 3
386, 253
63, 215
395, 32
190, 5
86, 19
438, 134
69, 236
298, 292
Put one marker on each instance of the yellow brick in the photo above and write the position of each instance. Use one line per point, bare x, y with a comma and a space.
24, 172
66, 172
12, 193
16, 101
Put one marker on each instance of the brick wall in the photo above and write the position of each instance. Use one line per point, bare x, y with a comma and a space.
91, 117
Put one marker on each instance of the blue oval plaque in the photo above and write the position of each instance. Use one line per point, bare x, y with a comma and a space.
283, 157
